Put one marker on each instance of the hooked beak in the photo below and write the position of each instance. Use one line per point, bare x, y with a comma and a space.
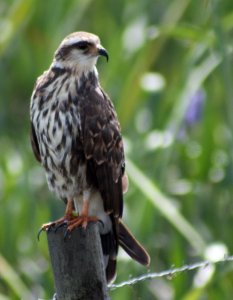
103, 52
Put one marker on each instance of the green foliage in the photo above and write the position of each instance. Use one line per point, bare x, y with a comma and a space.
170, 78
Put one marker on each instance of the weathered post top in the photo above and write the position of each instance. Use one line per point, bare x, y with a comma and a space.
77, 263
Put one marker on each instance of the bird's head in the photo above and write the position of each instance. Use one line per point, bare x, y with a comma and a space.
79, 51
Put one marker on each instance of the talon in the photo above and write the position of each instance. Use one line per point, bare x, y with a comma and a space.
60, 222
67, 234
60, 225
45, 227
39, 233
49, 228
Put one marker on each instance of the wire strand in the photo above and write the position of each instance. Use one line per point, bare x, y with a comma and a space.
169, 273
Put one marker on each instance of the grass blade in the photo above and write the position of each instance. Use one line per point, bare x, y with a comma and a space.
165, 206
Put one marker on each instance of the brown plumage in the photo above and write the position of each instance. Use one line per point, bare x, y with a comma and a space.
75, 135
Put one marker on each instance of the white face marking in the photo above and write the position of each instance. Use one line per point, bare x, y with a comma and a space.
78, 59
76, 37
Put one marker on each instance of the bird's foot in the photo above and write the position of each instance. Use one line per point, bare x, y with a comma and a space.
55, 224
79, 221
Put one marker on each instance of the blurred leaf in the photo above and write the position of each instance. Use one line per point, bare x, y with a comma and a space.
18, 14
165, 206
10, 276
2, 297
130, 95
227, 21
194, 81
194, 294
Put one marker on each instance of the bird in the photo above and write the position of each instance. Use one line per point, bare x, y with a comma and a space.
76, 137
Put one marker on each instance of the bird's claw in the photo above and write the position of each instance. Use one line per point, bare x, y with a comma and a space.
57, 226
52, 225
72, 223
79, 221
67, 234
39, 233
46, 227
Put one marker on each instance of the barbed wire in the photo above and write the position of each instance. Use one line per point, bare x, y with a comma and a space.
170, 273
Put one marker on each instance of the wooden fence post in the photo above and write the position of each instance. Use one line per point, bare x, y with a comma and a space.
77, 264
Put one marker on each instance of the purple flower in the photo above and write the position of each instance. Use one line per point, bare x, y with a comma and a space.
194, 110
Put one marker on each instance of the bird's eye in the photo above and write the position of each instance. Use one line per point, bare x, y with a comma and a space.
82, 45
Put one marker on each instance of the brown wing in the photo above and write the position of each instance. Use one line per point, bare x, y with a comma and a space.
103, 149
34, 143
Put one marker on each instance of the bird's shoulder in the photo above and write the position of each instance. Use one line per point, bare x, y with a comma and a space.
99, 106
47, 78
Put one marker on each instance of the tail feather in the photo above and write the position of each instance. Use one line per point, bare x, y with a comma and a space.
111, 270
134, 249
109, 247
120, 235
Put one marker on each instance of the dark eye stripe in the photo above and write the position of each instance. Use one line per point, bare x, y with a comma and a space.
81, 45
64, 51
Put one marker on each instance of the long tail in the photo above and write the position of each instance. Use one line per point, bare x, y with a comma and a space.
127, 241
134, 249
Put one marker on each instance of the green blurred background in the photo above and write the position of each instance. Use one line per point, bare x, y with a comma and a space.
170, 78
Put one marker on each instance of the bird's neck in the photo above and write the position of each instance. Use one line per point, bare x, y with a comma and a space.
80, 78
76, 70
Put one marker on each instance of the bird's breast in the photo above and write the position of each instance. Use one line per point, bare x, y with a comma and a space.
57, 127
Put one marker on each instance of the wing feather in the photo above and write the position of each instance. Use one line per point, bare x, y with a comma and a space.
34, 143
103, 149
